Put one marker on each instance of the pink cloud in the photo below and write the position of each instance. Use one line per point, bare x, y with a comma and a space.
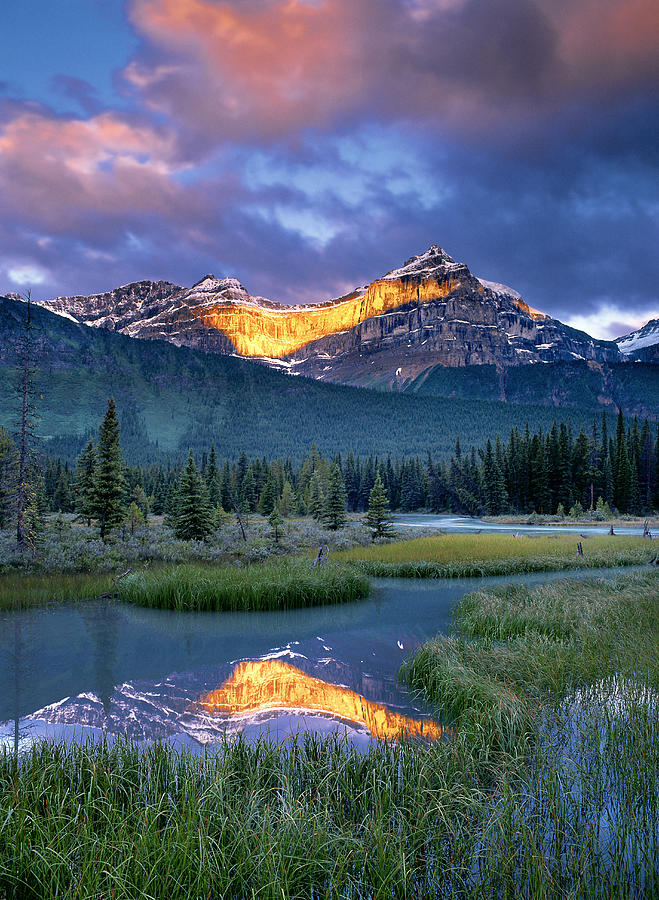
269, 68
252, 67
57, 173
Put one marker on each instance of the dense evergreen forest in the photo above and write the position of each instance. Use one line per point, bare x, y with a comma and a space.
610, 467
170, 399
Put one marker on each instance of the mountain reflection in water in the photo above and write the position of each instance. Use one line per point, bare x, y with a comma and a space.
270, 684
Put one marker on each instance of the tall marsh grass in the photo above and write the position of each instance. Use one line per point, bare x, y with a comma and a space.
548, 790
284, 584
475, 555
25, 591
317, 819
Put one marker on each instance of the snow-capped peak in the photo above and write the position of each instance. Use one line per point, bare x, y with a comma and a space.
211, 283
647, 336
425, 264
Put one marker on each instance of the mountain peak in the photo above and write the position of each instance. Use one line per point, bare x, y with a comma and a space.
426, 263
641, 340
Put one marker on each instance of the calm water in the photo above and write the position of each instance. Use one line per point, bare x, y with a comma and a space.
467, 524
78, 670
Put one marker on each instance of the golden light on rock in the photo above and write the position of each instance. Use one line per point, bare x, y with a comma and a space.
271, 684
256, 330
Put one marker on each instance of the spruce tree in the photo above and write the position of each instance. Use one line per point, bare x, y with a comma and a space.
275, 521
108, 491
378, 517
8, 465
287, 499
84, 482
192, 517
646, 469
623, 488
268, 499
334, 510
316, 496
248, 492
213, 482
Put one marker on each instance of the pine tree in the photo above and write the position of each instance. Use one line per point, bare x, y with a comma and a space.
623, 471
287, 500
334, 510
646, 469
134, 518
248, 492
539, 480
192, 518
108, 491
213, 479
268, 499
275, 521
581, 475
25, 491
159, 497
316, 497
8, 464
378, 517
226, 489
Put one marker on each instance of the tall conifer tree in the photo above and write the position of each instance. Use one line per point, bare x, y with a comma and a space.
213, 479
84, 482
107, 498
378, 517
334, 510
192, 518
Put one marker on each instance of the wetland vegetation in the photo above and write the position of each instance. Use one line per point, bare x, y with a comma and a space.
282, 584
469, 555
548, 787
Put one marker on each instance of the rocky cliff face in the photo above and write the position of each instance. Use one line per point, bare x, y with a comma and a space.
641, 345
431, 311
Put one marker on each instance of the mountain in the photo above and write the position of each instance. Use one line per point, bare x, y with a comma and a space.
429, 312
643, 344
173, 398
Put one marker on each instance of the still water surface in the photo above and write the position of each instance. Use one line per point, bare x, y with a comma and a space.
467, 524
103, 667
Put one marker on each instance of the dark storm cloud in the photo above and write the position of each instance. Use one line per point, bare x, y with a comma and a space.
310, 146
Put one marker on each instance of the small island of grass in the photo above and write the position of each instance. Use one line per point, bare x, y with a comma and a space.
275, 585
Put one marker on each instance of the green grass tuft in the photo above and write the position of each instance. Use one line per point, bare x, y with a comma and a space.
27, 591
284, 584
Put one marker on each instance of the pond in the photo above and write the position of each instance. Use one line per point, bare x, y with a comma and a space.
466, 524
101, 667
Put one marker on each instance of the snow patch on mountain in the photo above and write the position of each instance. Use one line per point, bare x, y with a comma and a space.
647, 336
425, 265
497, 288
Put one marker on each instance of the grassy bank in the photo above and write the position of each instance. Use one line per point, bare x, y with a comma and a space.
564, 678
25, 591
284, 584
548, 790
473, 555
515, 646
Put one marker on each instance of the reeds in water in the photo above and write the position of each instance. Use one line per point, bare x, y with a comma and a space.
25, 591
283, 584
549, 788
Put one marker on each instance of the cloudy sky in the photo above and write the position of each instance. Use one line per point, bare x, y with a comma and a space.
307, 146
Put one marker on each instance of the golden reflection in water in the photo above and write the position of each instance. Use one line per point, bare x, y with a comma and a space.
271, 684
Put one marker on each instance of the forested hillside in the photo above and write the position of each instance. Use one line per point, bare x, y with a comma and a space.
633, 387
551, 472
170, 399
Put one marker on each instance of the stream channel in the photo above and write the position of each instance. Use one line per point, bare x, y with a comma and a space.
82, 670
